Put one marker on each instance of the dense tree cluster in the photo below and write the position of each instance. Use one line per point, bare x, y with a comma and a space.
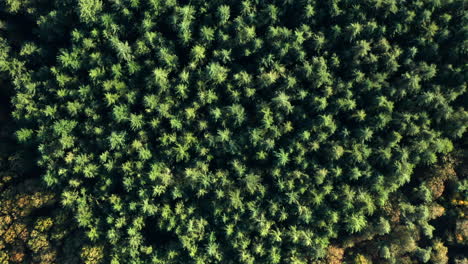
419, 224
234, 131
33, 229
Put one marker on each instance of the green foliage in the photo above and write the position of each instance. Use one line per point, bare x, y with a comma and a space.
32, 228
89, 9
236, 132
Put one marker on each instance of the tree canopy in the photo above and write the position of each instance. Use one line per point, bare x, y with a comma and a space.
233, 131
